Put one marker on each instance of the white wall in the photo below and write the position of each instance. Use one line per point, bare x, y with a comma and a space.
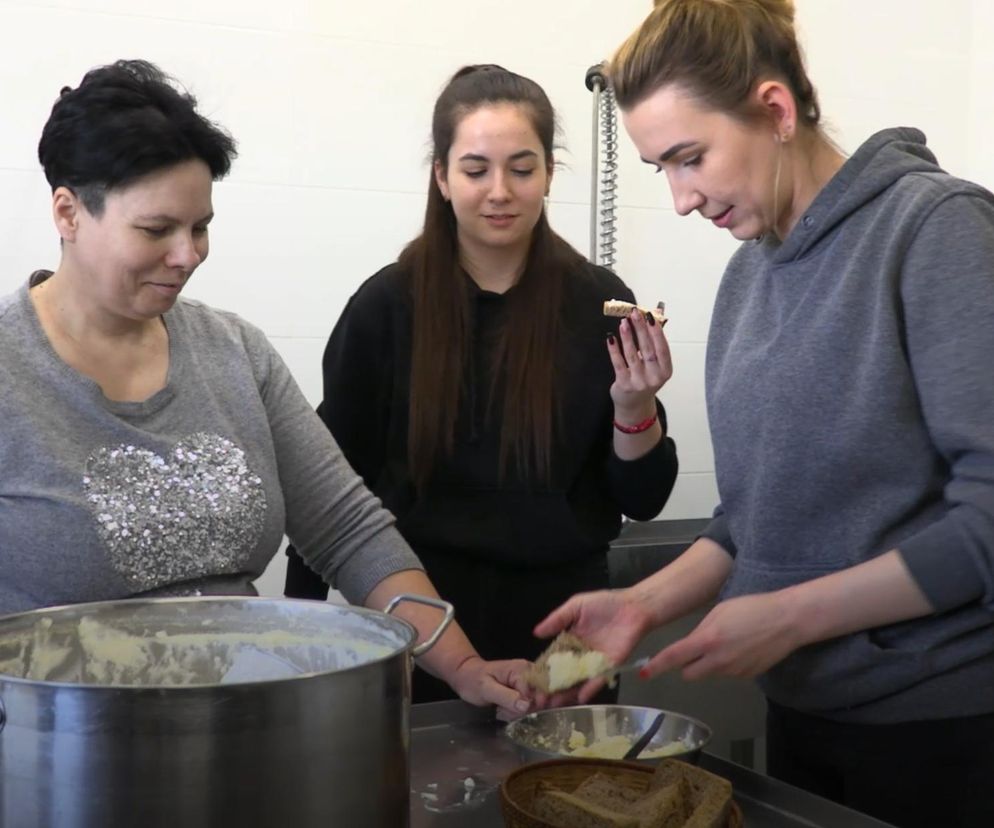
330, 101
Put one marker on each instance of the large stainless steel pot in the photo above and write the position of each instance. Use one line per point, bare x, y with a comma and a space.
206, 712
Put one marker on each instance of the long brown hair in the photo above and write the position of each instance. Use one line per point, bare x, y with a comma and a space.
524, 355
718, 50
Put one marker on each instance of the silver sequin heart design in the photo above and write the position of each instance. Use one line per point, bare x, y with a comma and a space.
196, 512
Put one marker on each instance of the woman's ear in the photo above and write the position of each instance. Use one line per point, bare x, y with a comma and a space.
66, 207
441, 179
775, 99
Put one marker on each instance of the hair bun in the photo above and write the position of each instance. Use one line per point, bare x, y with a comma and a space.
478, 67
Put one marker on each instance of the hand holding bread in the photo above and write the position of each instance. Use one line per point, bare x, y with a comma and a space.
606, 620
641, 359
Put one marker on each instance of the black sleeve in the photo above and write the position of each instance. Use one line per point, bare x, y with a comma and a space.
301, 580
641, 487
357, 370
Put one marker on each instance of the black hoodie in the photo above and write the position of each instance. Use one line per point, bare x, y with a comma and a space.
467, 509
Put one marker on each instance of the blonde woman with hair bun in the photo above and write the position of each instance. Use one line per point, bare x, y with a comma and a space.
849, 394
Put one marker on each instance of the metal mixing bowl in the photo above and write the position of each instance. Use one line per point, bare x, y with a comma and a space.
546, 734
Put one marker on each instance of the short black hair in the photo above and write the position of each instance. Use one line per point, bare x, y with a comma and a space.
126, 120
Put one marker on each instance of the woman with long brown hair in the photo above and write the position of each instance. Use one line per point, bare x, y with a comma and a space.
470, 383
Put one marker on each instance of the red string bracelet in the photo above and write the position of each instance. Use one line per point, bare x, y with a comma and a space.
638, 428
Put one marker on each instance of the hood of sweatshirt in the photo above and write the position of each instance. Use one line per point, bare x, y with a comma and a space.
877, 164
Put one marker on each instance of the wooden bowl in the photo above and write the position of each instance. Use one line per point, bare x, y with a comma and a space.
517, 791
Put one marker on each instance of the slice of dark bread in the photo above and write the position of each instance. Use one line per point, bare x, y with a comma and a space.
602, 790
710, 796
565, 810
663, 807
660, 808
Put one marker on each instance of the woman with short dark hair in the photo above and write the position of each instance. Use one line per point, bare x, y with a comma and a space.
153, 445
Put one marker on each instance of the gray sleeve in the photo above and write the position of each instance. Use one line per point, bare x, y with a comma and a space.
948, 296
339, 527
718, 531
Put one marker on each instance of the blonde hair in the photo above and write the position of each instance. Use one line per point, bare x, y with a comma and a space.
717, 50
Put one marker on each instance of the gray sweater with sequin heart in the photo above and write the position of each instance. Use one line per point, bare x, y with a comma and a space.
189, 491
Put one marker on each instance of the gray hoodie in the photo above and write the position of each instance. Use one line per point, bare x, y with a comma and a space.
850, 391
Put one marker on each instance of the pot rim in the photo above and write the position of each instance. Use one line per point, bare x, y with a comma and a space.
85, 608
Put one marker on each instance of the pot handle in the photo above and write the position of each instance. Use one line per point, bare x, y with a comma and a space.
445, 606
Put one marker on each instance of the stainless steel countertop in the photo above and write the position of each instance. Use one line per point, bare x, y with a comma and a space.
459, 756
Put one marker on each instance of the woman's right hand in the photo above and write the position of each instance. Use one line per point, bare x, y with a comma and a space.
611, 620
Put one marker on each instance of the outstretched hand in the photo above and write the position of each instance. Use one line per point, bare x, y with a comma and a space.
609, 620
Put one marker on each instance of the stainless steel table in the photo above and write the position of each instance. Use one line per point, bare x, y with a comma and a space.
459, 756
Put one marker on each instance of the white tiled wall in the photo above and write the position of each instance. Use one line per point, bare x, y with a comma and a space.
330, 101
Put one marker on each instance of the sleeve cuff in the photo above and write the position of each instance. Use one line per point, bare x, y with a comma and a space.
941, 565
642, 486
718, 531
357, 576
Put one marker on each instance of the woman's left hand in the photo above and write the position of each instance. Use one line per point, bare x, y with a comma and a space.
642, 363
501, 683
741, 637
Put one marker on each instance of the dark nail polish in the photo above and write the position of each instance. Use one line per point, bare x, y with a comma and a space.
610, 339
650, 318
